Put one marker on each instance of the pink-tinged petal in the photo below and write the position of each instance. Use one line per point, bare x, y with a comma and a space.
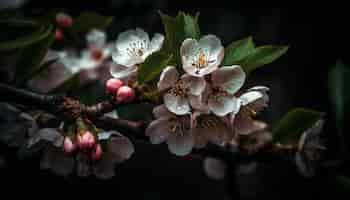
55, 160
229, 78
180, 144
222, 105
176, 104
245, 125
52, 77
162, 112
120, 71
158, 130
168, 78
104, 168
156, 43
199, 104
120, 148
196, 85
48, 134
214, 168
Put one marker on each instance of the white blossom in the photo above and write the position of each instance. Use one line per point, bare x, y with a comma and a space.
132, 48
201, 57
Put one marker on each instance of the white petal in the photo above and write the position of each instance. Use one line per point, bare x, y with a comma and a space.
47, 134
188, 49
168, 78
176, 104
83, 168
96, 38
31, 124
229, 78
222, 105
125, 59
259, 88
158, 130
121, 148
180, 144
215, 47
107, 134
250, 97
214, 168
161, 112
120, 71
156, 43
196, 85
57, 161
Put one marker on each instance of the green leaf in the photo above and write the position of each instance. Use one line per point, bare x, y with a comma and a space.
261, 56
191, 26
339, 93
23, 33
238, 50
136, 112
153, 66
294, 123
90, 20
176, 31
32, 56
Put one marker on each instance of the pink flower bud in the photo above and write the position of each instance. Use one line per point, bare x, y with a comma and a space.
96, 154
86, 141
64, 20
68, 145
58, 35
125, 94
113, 84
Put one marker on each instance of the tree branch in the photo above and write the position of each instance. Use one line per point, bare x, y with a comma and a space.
69, 108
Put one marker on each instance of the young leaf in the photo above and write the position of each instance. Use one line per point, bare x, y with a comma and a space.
294, 123
339, 93
238, 50
177, 30
24, 32
32, 56
191, 26
261, 56
90, 20
153, 66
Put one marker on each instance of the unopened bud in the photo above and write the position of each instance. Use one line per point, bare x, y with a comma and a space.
96, 154
125, 94
68, 145
112, 85
64, 20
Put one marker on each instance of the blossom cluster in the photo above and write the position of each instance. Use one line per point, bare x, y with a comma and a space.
203, 100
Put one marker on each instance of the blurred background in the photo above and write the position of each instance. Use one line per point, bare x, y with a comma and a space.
317, 38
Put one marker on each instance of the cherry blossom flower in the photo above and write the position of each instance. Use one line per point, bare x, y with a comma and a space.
208, 128
180, 90
310, 147
218, 96
175, 130
132, 48
251, 103
202, 57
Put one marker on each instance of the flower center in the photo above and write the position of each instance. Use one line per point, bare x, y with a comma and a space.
179, 125
137, 48
218, 92
179, 89
96, 54
207, 121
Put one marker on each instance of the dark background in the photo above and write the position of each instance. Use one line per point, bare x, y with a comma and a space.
317, 37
